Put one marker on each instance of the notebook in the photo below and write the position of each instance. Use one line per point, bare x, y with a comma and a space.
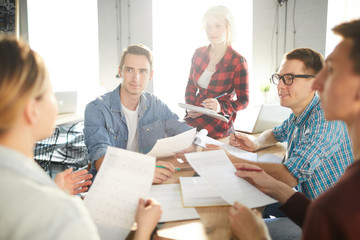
260, 118
67, 101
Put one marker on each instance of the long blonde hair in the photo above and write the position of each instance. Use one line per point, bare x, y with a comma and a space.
22, 77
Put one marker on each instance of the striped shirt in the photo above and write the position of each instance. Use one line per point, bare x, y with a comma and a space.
318, 151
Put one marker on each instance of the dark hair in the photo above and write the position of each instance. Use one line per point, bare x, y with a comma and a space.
137, 49
351, 30
312, 59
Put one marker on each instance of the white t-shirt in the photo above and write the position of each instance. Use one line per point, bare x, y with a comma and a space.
33, 207
204, 79
132, 122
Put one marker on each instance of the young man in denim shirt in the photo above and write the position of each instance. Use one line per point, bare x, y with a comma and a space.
129, 117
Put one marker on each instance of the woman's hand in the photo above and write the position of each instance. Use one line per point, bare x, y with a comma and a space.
212, 104
147, 217
246, 223
194, 114
73, 182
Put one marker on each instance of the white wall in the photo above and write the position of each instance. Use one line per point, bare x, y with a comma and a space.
310, 26
121, 22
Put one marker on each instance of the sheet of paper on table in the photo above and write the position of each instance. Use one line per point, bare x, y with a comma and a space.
112, 200
166, 147
219, 172
203, 110
202, 139
196, 192
169, 197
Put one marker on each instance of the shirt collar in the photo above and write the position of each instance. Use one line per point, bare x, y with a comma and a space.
115, 104
302, 118
21, 164
227, 57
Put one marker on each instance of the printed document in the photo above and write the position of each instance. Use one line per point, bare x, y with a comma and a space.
112, 200
196, 192
169, 197
166, 147
203, 110
219, 172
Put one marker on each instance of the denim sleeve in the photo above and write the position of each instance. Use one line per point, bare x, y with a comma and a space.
320, 140
96, 137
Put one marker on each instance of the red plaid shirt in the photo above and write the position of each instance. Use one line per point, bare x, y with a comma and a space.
231, 76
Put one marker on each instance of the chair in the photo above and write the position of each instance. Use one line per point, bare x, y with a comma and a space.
74, 152
44, 150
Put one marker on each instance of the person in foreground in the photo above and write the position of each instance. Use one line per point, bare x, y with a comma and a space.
130, 118
336, 213
31, 205
217, 73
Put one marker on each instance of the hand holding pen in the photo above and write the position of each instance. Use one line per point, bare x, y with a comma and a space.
213, 103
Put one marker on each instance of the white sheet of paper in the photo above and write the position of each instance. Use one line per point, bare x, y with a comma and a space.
112, 200
202, 140
217, 169
270, 158
166, 147
203, 110
196, 192
169, 197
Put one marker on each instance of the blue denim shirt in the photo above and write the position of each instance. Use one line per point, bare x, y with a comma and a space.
105, 124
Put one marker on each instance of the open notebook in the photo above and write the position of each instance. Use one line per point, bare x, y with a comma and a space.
203, 110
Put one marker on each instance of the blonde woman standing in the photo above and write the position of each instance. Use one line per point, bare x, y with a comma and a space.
217, 74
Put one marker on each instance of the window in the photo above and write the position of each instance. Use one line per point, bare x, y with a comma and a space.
65, 34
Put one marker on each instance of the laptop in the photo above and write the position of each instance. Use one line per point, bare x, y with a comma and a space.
260, 118
67, 101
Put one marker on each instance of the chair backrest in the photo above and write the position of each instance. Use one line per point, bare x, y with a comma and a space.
44, 150
75, 152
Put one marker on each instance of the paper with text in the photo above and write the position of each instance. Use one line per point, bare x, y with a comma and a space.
203, 140
203, 110
112, 200
166, 147
217, 170
196, 192
169, 197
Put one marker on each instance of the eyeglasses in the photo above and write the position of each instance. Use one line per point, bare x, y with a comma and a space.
287, 79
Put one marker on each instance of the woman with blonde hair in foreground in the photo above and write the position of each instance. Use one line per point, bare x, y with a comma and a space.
31, 205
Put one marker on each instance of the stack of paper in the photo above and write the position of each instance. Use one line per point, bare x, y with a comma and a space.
196, 192
169, 197
112, 200
219, 172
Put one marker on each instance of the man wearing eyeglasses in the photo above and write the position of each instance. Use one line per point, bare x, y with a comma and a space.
318, 151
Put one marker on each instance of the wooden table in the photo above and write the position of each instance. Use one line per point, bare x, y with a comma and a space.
214, 221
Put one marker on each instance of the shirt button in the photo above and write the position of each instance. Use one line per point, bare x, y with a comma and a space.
147, 129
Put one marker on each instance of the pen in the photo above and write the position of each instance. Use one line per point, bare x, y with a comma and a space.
250, 169
217, 97
178, 169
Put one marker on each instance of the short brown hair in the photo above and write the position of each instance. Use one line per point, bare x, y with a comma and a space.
351, 30
137, 49
312, 59
22, 77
